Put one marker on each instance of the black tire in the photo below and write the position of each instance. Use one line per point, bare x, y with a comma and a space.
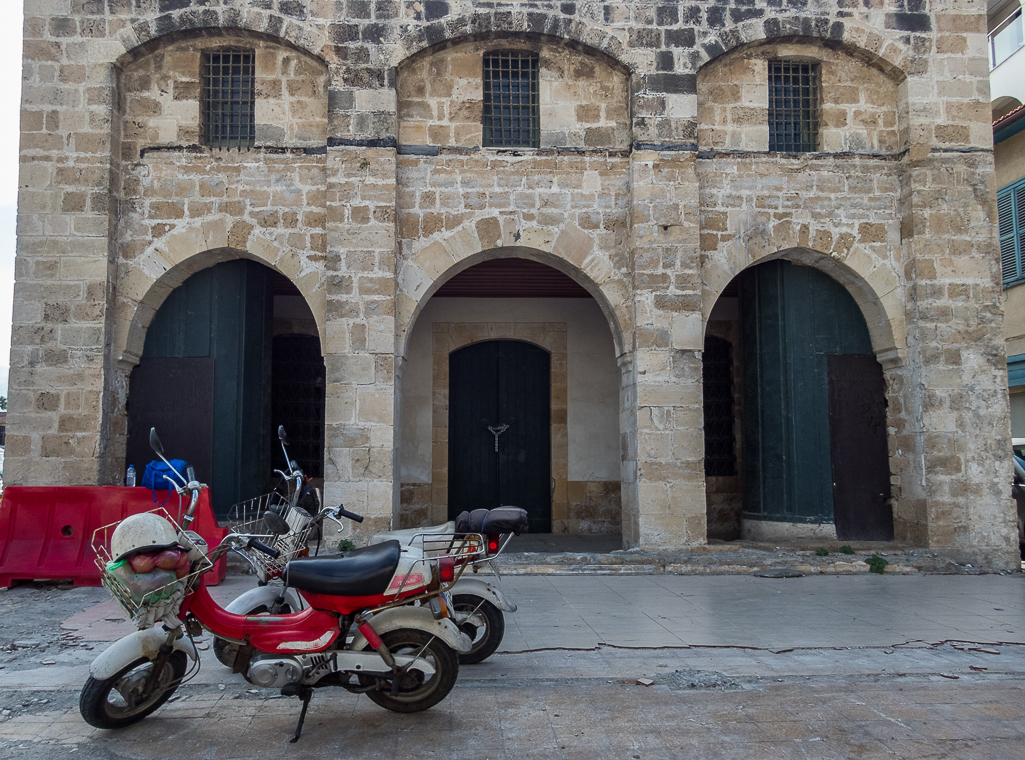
416, 693
103, 706
225, 651
485, 630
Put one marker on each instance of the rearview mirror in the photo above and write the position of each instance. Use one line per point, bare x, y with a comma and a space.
282, 435
154, 441
275, 523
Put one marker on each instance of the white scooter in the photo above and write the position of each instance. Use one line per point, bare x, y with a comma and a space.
478, 605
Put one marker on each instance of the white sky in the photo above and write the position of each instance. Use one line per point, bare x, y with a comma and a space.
10, 97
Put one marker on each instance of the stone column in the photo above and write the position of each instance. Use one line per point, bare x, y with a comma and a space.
55, 428
958, 436
667, 281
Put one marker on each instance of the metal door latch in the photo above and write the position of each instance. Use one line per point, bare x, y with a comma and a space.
497, 431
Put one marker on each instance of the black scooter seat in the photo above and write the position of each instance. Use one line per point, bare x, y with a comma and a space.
361, 572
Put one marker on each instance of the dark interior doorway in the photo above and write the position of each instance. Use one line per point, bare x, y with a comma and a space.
500, 430
221, 350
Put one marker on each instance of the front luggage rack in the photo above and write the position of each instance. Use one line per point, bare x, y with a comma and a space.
146, 609
247, 518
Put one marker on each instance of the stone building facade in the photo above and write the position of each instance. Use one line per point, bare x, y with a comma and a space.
653, 184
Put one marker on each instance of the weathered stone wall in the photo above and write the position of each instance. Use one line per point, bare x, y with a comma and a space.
583, 99
654, 227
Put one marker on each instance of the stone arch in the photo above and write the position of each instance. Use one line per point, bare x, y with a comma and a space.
855, 38
571, 250
877, 292
144, 283
145, 35
482, 24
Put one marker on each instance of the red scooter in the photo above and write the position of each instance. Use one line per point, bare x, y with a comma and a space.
359, 631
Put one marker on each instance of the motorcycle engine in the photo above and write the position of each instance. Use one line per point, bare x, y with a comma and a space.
272, 672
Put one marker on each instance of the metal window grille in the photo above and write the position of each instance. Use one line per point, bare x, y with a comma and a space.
717, 387
228, 99
511, 113
793, 106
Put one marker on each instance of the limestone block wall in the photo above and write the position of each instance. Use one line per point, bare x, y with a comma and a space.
653, 221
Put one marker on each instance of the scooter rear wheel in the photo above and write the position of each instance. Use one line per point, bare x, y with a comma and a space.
417, 692
485, 627
117, 701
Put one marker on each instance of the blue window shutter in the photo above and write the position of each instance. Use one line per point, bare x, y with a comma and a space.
1008, 253
1016, 370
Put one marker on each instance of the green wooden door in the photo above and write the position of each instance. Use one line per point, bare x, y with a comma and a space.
225, 313
792, 318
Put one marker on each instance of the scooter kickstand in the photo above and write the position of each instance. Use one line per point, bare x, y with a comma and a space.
305, 693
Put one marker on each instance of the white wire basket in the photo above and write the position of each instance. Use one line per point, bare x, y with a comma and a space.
162, 602
247, 518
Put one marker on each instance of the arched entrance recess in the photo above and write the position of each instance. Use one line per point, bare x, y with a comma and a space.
503, 301
231, 353
809, 454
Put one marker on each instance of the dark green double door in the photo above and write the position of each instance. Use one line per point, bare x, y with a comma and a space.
499, 433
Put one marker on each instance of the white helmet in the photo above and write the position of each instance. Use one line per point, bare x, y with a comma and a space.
142, 532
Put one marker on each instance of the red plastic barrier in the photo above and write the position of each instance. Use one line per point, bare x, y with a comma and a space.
46, 532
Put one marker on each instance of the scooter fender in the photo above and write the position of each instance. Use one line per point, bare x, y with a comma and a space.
264, 596
419, 618
134, 647
485, 590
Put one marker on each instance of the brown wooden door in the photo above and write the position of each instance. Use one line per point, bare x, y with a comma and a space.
857, 438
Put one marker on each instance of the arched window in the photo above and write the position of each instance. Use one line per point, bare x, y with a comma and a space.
511, 112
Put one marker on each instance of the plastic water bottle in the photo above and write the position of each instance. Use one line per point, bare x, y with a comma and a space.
130, 477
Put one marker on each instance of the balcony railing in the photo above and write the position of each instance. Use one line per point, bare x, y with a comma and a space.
1005, 40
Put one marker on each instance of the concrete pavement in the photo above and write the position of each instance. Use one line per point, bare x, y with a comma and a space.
917, 666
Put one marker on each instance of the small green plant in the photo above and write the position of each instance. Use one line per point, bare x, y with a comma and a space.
822, 552
845, 549
345, 545
876, 564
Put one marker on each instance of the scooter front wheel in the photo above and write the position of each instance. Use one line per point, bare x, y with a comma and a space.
483, 622
417, 691
120, 700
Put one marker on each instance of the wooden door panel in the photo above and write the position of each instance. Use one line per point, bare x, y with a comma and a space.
861, 463
491, 384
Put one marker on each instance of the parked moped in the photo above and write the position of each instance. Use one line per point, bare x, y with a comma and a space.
401, 656
478, 605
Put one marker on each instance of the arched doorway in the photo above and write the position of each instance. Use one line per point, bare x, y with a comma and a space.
220, 355
485, 322
809, 404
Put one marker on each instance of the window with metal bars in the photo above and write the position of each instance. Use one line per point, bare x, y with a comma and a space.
228, 99
1011, 222
717, 389
511, 113
793, 106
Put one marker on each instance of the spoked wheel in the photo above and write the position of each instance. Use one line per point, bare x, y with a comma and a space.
120, 700
483, 622
417, 691
226, 651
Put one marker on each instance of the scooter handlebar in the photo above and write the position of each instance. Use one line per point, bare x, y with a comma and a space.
342, 512
262, 547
